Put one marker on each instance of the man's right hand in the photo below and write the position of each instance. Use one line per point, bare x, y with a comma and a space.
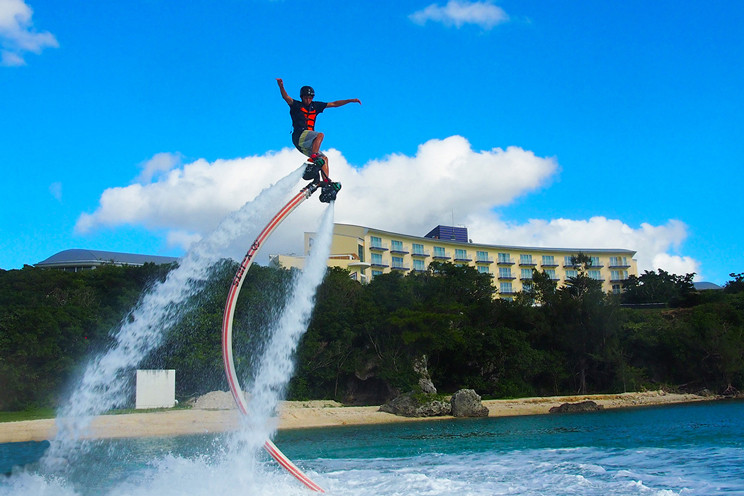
285, 96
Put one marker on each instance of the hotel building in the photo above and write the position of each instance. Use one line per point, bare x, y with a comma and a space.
367, 252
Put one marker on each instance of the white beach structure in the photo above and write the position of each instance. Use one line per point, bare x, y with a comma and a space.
156, 389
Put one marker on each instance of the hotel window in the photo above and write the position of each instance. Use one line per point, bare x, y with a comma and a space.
483, 269
595, 261
481, 256
376, 259
616, 289
396, 245
375, 242
376, 273
360, 252
618, 261
418, 249
594, 274
618, 275
571, 273
551, 274
397, 262
461, 254
504, 258
505, 287
548, 260
526, 273
505, 272
525, 259
567, 260
439, 252
418, 265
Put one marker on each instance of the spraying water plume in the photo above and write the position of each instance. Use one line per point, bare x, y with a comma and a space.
103, 385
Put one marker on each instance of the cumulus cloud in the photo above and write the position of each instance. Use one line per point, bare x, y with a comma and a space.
182, 239
159, 164
191, 198
676, 264
398, 193
458, 13
17, 35
652, 244
56, 191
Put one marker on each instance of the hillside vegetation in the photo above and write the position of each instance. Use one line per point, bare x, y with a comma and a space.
363, 339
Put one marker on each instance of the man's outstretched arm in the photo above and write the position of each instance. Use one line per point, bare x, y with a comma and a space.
286, 97
339, 103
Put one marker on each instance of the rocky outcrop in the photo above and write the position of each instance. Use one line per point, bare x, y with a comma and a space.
467, 403
730, 392
415, 404
584, 406
425, 382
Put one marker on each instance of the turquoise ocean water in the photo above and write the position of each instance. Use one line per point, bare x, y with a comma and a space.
693, 449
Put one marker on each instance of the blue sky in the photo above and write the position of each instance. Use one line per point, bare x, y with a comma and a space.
137, 126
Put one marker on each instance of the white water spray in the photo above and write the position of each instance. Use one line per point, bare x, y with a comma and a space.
103, 385
276, 364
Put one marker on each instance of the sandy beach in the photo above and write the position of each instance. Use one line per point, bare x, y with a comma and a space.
216, 412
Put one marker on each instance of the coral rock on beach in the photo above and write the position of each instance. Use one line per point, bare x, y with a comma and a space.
411, 405
467, 403
583, 406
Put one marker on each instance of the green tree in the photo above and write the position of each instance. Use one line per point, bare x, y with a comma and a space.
50, 320
326, 353
586, 317
736, 285
659, 287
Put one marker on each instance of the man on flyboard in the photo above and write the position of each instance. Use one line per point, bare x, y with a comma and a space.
307, 140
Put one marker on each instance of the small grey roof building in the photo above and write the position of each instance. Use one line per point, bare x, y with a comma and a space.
75, 260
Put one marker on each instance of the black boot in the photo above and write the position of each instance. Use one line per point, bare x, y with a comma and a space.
328, 192
312, 172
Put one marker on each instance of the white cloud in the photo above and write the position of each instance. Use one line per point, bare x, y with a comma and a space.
56, 190
676, 264
157, 165
192, 198
652, 243
182, 239
458, 13
17, 36
10, 59
404, 193
399, 193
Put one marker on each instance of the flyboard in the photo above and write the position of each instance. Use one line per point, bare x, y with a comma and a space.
227, 324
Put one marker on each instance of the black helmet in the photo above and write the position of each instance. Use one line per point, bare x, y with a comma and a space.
307, 91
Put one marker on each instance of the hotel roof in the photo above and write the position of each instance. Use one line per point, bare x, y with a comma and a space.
93, 258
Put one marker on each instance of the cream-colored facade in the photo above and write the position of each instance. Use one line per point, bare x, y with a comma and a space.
366, 252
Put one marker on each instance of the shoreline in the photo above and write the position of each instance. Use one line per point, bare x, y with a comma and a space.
220, 415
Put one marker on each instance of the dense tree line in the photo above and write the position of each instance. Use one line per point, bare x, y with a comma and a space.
50, 320
363, 339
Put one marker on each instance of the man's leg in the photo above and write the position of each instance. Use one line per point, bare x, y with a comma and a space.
316, 149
